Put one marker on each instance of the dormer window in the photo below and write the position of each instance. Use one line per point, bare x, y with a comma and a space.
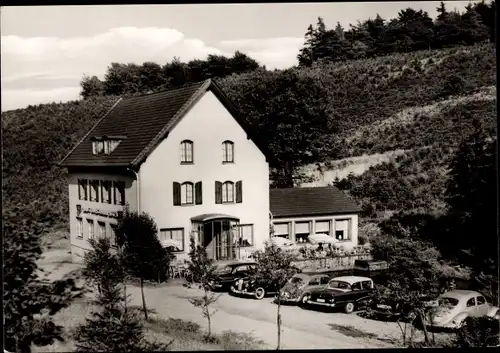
105, 145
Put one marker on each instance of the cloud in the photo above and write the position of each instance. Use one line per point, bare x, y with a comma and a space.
275, 53
43, 69
20, 98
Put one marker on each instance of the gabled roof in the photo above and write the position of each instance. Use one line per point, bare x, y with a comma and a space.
311, 201
144, 121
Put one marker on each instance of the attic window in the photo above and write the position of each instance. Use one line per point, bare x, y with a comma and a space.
105, 145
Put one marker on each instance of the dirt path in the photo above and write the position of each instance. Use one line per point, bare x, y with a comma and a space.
302, 329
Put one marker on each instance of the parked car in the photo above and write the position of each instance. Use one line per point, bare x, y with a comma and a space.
251, 286
392, 311
456, 305
299, 287
226, 273
347, 292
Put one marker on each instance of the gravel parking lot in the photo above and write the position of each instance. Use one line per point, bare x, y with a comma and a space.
302, 328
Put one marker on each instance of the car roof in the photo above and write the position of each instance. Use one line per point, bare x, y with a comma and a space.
351, 279
235, 263
460, 294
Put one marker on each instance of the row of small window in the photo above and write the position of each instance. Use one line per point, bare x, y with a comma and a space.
342, 229
109, 231
105, 191
187, 153
103, 231
189, 193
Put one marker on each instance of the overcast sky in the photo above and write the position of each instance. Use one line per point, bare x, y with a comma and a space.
45, 50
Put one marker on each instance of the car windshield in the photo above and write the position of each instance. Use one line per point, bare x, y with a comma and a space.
221, 269
339, 284
446, 301
297, 281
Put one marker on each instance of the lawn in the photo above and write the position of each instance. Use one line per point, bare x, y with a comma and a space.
185, 335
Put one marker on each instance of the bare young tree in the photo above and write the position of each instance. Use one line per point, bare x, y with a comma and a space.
274, 268
202, 270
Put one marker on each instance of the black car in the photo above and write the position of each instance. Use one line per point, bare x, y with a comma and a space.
226, 273
346, 292
255, 287
252, 286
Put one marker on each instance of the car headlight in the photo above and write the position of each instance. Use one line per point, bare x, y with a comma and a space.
286, 295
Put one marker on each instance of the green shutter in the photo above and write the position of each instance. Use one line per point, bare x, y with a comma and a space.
239, 191
177, 193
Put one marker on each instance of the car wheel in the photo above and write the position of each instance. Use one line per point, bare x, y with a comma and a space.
260, 293
305, 298
460, 324
349, 308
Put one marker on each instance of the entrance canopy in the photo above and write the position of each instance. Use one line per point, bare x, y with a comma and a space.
212, 217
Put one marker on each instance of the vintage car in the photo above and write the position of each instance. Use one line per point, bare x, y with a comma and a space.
226, 273
456, 305
299, 287
346, 292
254, 287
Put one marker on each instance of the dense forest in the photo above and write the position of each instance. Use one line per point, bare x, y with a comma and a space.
413, 83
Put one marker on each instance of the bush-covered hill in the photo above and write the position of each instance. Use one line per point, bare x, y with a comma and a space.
349, 97
34, 140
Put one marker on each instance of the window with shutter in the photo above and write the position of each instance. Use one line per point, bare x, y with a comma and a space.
176, 193
228, 192
239, 191
218, 192
187, 193
198, 193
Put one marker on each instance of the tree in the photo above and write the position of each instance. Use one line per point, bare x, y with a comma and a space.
289, 113
474, 30
416, 271
104, 270
471, 195
241, 62
28, 304
122, 79
111, 329
143, 256
202, 270
91, 86
274, 268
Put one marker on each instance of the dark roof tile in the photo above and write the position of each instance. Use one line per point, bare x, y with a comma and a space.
311, 201
144, 120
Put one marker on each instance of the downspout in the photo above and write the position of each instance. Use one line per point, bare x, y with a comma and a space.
138, 193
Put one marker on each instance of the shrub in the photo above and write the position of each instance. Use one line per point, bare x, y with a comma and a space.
478, 332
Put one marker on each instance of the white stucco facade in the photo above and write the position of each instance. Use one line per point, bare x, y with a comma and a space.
96, 212
208, 124
153, 189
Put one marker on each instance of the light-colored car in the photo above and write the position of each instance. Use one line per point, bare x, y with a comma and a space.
299, 287
458, 304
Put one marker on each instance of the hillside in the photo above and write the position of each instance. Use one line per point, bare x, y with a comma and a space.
35, 139
398, 102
